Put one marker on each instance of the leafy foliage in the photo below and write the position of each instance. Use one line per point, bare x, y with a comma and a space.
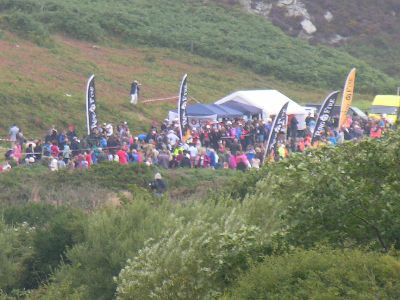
344, 197
322, 274
47, 232
193, 261
16, 246
340, 195
111, 237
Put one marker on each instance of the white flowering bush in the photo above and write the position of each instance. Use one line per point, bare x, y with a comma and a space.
197, 260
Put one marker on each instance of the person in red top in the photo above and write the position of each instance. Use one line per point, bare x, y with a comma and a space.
301, 145
123, 157
375, 132
88, 158
307, 141
180, 156
55, 151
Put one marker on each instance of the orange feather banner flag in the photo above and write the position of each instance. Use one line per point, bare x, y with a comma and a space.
348, 93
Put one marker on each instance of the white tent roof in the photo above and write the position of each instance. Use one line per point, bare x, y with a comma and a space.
270, 101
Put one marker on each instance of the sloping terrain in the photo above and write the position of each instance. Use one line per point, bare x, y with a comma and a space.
40, 87
54, 46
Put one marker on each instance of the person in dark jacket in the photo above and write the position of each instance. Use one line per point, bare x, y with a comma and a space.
158, 185
186, 163
38, 150
135, 88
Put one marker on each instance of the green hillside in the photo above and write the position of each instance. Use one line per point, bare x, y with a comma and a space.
40, 86
206, 29
43, 71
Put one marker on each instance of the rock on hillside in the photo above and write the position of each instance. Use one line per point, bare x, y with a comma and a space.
328, 21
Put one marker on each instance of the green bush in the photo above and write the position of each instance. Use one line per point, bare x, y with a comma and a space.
52, 232
111, 237
16, 246
27, 27
321, 274
346, 195
197, 260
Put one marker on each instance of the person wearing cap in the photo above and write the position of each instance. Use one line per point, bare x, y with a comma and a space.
75, 146
135, 88
172, 138
158, 185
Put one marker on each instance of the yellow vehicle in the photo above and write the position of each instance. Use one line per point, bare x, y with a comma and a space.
385, 105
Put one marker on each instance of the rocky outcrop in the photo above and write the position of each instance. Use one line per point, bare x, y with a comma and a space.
329, 21
291, 13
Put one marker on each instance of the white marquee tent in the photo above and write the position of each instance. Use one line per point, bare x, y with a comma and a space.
269, 101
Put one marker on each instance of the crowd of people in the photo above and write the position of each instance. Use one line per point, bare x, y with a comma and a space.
229, 144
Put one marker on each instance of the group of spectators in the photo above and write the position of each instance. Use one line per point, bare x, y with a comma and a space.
230, 144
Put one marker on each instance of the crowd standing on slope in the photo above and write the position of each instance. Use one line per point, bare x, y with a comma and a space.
230, 144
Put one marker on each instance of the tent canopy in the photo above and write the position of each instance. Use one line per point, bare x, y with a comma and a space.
225, 112
244, 108
201, 110
269, 101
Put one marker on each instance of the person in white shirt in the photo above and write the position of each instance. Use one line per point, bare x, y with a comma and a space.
13, 132
193, 151
53, 164
109, 130
172, 138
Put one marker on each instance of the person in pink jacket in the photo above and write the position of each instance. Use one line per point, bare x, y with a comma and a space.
232, 161
241, 161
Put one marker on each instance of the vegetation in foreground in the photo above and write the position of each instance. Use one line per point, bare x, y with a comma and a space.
330, 208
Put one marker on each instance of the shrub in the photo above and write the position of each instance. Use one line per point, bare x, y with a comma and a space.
321, 274
195, 260
111, 237
27, 27
52, 231
16, 247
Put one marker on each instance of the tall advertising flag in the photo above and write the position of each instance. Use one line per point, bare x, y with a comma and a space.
324, 115
91, 116
348, 93
182, 102
276, 128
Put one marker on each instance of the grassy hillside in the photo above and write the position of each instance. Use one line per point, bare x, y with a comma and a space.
34, 82
204, 28
42, 82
